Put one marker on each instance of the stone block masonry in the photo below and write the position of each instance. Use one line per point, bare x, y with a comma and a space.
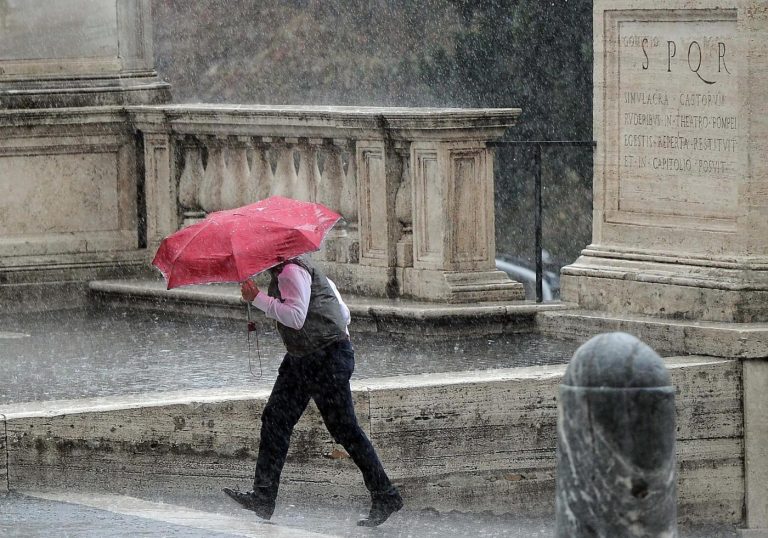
469, 441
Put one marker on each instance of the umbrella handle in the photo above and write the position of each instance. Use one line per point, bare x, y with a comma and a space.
253, 328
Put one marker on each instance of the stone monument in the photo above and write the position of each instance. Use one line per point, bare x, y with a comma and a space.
681, 175
680, 229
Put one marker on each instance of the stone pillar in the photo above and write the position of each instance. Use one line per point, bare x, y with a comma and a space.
378, 174
161, 177
454, 245
78, 53
616, 442
160, 189
681, 168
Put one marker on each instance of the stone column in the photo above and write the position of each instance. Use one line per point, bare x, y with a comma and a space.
616, 442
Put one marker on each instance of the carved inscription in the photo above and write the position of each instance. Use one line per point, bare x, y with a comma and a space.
678, 120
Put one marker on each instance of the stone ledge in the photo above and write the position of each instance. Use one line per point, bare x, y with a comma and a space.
391, 316
753, 533
718, 339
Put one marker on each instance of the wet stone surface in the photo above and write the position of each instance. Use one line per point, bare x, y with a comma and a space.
26, 516
104, 351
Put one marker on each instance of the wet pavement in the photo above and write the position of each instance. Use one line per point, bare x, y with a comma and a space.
108, 351
123, 517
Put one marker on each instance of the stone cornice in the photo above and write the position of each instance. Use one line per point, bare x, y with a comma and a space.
37, 117
325, 121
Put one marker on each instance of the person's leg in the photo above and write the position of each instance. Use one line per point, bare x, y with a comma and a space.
331, 392
285, 406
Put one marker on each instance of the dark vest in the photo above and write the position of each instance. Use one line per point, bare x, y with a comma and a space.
324, 324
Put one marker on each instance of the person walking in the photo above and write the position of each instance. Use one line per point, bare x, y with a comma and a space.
312, 320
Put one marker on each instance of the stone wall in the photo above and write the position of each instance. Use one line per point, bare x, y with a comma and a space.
470, 441
69, 211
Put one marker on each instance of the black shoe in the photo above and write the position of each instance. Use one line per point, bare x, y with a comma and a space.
383, 505
255, 501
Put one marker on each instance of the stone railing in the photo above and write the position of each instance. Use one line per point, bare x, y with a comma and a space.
415, 186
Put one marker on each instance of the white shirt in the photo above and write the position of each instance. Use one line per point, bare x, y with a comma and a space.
295, 285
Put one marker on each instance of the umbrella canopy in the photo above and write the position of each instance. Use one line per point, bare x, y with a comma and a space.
233, 245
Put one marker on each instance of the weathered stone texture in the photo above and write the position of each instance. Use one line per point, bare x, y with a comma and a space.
756, 442
680, 201
160, 447
668, 337
488, 443
468, 441
3, 457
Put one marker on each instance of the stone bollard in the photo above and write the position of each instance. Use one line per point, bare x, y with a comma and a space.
616, 442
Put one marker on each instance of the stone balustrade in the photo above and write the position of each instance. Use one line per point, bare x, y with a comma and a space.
415, 186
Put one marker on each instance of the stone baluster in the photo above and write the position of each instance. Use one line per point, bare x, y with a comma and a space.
190, 182
309, 174
214, 177
332, 179
286, 180
261, 178
329, 194
237, 189
404, 211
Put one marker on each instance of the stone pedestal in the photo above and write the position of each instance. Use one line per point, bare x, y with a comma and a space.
453, 223
681, 173
451, 247
77, 53
73, 207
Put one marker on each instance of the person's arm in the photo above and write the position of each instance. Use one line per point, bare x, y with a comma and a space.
295, 286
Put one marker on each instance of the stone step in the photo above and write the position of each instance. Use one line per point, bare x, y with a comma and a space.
472, 441
182, 516
666, 336
392, 316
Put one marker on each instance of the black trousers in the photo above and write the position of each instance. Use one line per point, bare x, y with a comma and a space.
324, 377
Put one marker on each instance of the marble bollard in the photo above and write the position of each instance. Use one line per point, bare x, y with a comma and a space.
616, 442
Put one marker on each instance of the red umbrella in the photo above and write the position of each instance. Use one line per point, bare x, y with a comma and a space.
233, 245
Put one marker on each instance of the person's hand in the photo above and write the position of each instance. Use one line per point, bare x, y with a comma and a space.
249, 290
